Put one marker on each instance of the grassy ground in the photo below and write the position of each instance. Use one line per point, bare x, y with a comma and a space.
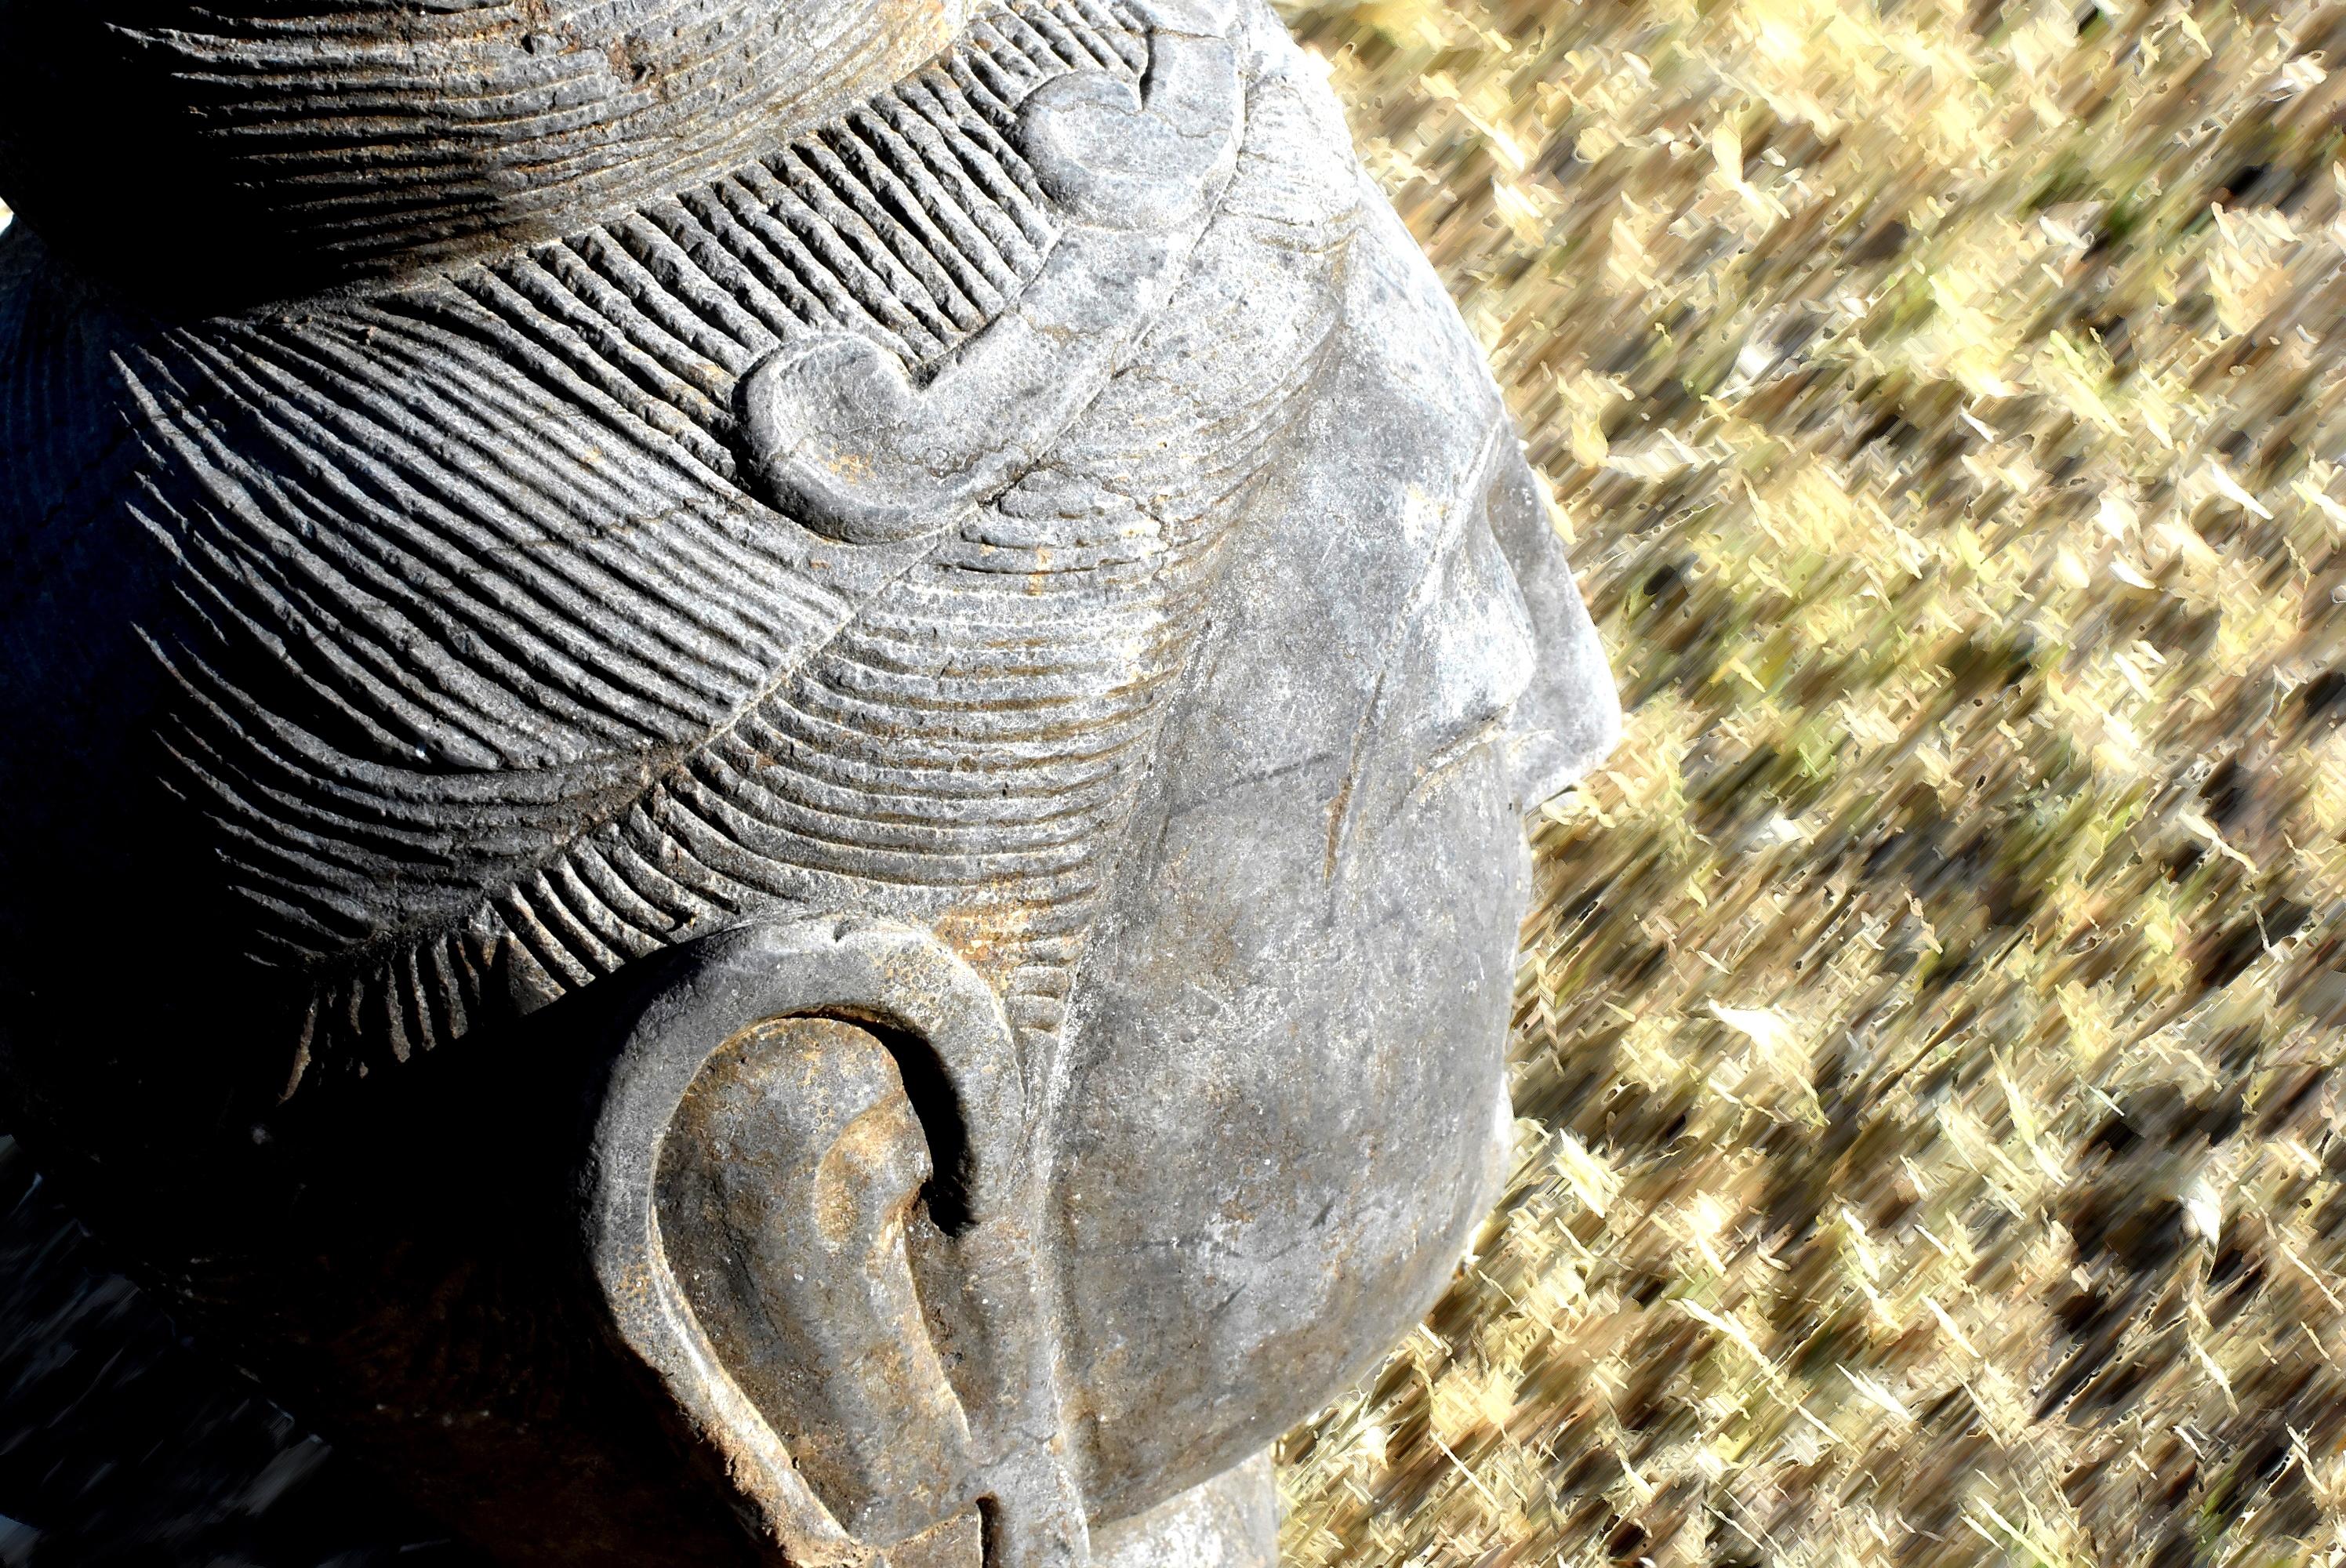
1927, 1027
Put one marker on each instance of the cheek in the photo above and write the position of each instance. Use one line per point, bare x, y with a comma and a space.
1279, 1132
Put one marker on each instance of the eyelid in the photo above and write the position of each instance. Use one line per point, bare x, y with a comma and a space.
1487, 655
1447, 755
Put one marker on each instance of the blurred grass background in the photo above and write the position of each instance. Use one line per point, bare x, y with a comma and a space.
1927, 1023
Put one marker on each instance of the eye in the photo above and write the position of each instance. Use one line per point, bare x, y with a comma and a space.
1475, 655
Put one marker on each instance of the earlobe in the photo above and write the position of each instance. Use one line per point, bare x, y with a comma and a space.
809, 1205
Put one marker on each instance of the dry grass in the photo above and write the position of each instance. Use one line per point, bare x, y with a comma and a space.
1927, 1025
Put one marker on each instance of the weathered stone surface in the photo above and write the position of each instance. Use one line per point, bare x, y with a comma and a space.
812, 755
1230, 1521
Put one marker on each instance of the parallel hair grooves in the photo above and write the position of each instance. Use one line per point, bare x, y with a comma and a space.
493, 679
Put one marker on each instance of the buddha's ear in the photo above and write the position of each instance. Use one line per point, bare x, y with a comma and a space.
810, 1208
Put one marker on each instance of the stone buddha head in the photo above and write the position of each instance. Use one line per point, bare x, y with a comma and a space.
768, 755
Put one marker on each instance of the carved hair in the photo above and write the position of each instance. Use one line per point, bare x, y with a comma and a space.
315, 140
497, 673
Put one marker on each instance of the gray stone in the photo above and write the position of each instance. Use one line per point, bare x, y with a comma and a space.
1230, 1521
768, 757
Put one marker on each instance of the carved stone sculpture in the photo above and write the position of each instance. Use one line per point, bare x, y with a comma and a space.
764, 757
